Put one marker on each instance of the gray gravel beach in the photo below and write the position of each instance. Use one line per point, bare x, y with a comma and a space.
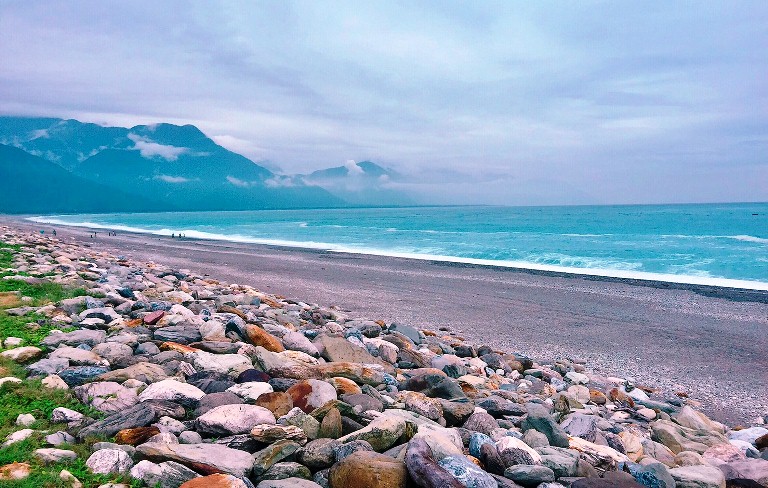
711, 347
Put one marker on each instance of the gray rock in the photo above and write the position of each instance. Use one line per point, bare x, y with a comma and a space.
112, 350
47, 366
286, 470
106, 396
109, 461
60, 437
190, 437
341, 451
698, 477
168, 474
233, 419
540, 419
78, 375
204, 457
173, 390
466, 472
288, 483
183, 334
529, 475
579, 425
53, 455
654, 475
318, 454
213, 400
140, 415
481, 422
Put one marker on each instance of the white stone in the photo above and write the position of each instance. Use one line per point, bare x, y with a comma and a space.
54, 381
250, 391
61, 414
53, 455
576, 378
17, 436
9, 379
108, 461
174, 391
25, 419
233, 419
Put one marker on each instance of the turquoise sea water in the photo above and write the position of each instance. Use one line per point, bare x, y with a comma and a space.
708, 243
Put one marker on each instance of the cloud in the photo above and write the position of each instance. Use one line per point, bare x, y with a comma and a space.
278, 181
353, 168
38, 134
149, 149
172, 179
611, 96
241, 183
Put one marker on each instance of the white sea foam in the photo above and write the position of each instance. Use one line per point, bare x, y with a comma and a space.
425, 256
744, 238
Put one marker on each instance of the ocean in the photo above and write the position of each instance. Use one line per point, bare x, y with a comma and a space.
715, 244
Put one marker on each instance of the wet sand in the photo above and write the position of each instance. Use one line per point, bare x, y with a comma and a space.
711, 343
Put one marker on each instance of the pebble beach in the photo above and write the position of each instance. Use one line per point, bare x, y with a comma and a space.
209, 364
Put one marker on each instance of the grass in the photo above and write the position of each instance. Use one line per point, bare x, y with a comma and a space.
30, 396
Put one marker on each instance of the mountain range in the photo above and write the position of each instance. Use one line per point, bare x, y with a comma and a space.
50, 165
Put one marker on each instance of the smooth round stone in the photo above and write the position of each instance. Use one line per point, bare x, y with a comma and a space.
467, 473
342, 451
190, 437
476, 441
370, 470
251, 375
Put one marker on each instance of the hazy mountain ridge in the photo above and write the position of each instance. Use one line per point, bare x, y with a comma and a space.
177, 167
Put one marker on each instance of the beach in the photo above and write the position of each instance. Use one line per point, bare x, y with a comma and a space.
707, 343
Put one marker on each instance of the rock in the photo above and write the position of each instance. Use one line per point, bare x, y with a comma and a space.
722, 453
331, 426
424, 470
259, 337
251, 375
25, 419
514, 451
78, 357
172, 390
107, 314
747, 469
106, 396
250, 391
136, 436
539, 419
144, 372
217, 481
422, 404
698, 477
456, 413
535, 439
688, 417
363, 402
139, 415
181, 334
62, 414
17, 436
318, 454
299, 342
203, 458
108, 461
233, 419
54, 382
22, 354
368, 469
278, 402
653, 475
213, 400
164, 475
285, 470
499, 407
15, 471
529, 475
268, 434
338, 349
219, 363
679, 438
311, 394
271, 455
153, 317
382, 433
305, 422
604, 483
69, 478
81, 374
59, 438
579, 425
481, 422
467, 473
563, 462
749, 435
75, 338
190, 437
53, 455
288, 483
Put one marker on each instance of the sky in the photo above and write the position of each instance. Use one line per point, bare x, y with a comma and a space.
473, 102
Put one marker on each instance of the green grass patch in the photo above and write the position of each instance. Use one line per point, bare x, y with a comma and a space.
42, 292
31, 397
31, 328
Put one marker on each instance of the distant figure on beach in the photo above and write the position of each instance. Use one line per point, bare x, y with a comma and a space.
54, 232
42, 232
173, 235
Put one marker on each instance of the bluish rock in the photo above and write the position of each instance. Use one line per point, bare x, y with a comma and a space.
540, 419
529, 474
79, 375
407, 331
45, 367
653, 475
467, 473
476, 441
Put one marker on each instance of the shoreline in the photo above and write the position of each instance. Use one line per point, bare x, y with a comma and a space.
731, 289
672, 338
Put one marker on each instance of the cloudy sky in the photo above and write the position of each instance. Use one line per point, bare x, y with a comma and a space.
481, 102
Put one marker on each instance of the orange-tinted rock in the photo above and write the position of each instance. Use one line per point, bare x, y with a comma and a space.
134, 323
215, 481
136, 436
260, 337
370, 470
311, 394
15, 471
175, 346
597, 397
762, 442
278, 402
345, 386
619, 397
236, 311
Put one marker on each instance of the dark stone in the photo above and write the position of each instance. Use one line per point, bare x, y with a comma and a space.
481, 422
210, 381
78, 375
126, 292
348, 426
491, 459
409, 332
436, 386
742, 483
165, 408
166, 356
495, 361
216, 347
540, 419
213, 400
139, 415
455, 370
370, 329
653, 475
251, 375
241, 442
282, 384
182, 334
456, 413
463, 351
498, 406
